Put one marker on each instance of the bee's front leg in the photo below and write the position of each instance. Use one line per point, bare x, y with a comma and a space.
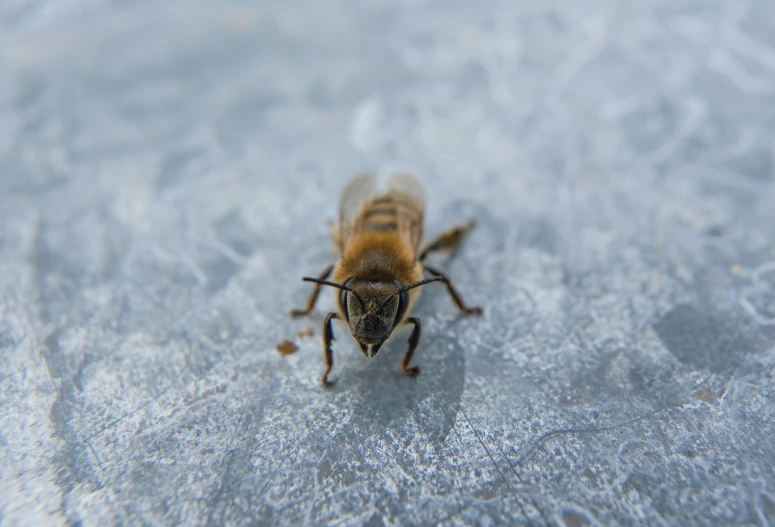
313, 298
414, 338
328, 336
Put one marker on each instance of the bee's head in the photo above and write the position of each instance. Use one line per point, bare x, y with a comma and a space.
372, 308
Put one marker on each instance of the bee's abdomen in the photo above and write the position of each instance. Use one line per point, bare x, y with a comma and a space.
383, 213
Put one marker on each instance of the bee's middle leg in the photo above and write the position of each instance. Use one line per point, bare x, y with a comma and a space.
461, 305
313, 297
414, 338
447, 240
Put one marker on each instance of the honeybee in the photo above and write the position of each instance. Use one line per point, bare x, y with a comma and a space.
381, 267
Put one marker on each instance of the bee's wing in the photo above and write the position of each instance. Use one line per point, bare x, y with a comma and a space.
356, 194
410, 202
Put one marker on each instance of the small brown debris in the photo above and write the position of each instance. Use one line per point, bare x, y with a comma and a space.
706, 395
306, 333
286, 347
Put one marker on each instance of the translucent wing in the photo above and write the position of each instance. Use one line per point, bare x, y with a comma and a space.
356, 194
409, 198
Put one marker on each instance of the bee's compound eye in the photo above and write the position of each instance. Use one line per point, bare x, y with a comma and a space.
343, 304
403, 304
343, 298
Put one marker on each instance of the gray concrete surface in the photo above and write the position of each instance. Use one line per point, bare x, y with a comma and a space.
167, 174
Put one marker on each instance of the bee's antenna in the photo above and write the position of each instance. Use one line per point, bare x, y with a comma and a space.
412, 286
338, 286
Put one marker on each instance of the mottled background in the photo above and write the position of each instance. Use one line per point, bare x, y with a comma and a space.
168, 171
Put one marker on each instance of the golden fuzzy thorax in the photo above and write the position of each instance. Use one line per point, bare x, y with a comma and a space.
378, 256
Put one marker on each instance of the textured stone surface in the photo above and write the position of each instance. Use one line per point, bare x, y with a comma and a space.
167, 172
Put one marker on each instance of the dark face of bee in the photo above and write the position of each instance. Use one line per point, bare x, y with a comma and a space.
371, 324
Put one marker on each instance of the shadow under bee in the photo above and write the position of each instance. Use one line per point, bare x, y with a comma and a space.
385, 398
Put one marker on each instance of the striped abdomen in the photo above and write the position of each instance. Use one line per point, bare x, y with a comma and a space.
392, 213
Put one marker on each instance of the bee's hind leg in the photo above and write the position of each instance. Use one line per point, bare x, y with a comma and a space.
313, 297
447, 240
414, 338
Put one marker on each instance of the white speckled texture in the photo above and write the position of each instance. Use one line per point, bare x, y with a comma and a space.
167, 174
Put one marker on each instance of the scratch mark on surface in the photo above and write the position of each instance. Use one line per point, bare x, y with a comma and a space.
311, 505
519, 480
487, 450
274, 473
129, 414
99, 463
217, 496
570, 431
